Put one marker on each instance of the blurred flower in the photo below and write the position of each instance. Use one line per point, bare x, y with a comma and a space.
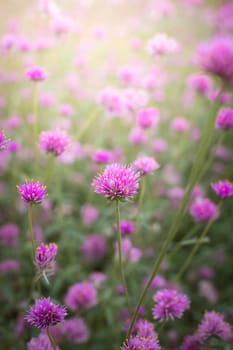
180, 125
223, 189
89, 214
126, 227
9, 265
102, 156
148, 117
162, 44
75, 330
54, 141
137, 136
3, 140
94, 248
138, 343
81, 296
159, 146
146, 165
129, 252
143, 328
200, 82
117, 182
204, 210
225, 119
45, 314
66, 110
36, 74
170, 304
208, 291
190, 343
32, 192
45, 257
42, 342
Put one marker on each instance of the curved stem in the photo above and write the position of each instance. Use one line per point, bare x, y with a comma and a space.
52, 341
196, 246
123, 281
31, 231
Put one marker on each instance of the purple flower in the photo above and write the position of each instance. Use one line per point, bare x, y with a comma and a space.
42, 342
9, 235
213, 324
3, 140
117, 182
204, 210
146, 165
216, 56
75, 330
32, 191
54, 141
225, 119
36, 74
170, 304
143, 328
89, 214
126, 227
9, 265
146, 118
162, 44
190, 343
223, 189
200, 82
94, 248
45, 314
129, 252
140, 343
102, 156
45, 256
81, 296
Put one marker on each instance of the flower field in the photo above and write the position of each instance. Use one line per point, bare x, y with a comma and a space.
116, 175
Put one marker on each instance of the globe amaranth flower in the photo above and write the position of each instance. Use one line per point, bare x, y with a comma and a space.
143, 328
146, 165
146, 118
81, 296
117, 182
54, 141
190, 342
45, 257
129, 252
75, 330
36, 74
45, 314
223, 189
9, 235
213, 324
141, 343
4, 141
204, 210
102, 156
32, 192
225, 119
162, 44
94, 248
41, 342
170, 304
126, 227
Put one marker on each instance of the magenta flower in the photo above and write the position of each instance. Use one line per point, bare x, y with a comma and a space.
54, 141
225, 119
102, 156
41, 342
126, 227
9, 235
139, 343
146, 118
143, 328
200, 82
81, 296
94, 248
170, 304
190, 343
4, 141
45, 314
204, 210
129, 252
45, 256
213, 324
162, 44
223, 189
36, 74
32, 192
146, 165
9, 265
117, 182
75, 330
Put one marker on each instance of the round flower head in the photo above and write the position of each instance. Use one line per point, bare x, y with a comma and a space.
223, 189
45, 256
141, 343
54, 141
41, 342
213, 324
36, 74
204, 210
126, 227
162, 44
146, 165
225, 119
170, 304
117, 182
94, 248
147, 117
190, 343
32, 192
45, 314
3, 140
102, 156
143, 328
200, 82
81, 296
75, 330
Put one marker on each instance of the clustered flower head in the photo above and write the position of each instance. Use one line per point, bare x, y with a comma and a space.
200, 82
141, 343
4, 141
146, 165
162, 44
54, 141
223, 189
45, 314
36, 74
225, 119
41, 342
45, 256
102, 156
117, 182
32, 192
81, 296
129, 252
146, 118
213, 324
204, 210
170, 304
75, 330
94, 248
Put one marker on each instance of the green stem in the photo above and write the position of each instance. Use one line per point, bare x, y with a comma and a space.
202, 150
31, 231
35, 111
85, 128
52, 341
196, 246
123, 281
50, 170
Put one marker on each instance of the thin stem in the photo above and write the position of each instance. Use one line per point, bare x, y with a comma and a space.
140, 199
50, 169
52, 341
196, 246
35, 110
31, 231
119, 243
202, 150
86, 126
